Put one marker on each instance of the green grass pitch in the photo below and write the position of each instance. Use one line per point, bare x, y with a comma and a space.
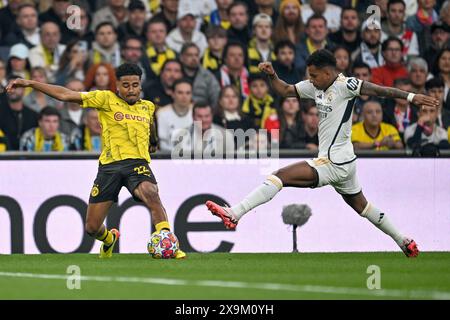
227, 276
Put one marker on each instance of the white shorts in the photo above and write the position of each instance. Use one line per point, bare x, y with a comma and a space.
341, 177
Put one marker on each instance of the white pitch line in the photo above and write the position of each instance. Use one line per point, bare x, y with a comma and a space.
393, 293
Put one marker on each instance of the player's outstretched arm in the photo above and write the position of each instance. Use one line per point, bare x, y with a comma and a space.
281, 88
57, 92
372, 89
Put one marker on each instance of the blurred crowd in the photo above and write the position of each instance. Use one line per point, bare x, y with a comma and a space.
200, 63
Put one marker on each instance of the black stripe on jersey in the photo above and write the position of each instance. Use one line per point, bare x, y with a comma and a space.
345, 118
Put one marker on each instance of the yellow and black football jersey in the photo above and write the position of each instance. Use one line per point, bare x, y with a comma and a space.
125, 128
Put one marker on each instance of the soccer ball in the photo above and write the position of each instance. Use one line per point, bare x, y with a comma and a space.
163, 245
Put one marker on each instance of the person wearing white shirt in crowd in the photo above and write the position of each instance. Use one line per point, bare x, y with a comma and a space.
331, 12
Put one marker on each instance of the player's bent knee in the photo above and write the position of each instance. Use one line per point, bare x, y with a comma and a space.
91, 228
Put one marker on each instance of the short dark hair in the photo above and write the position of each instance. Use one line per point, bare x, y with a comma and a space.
230, 44
236, 4
436, 82
321, 58
201, 105
386, 42
391, 2
49, 111
283, 44
129, 37
136, 5
27, 5
128, 69
171, 61
180, 81
348, 8
103, 24
188, 45
316, 16
401, 82
359, 65
257, 77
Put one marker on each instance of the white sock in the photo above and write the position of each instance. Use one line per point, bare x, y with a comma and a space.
258, 196
381, 221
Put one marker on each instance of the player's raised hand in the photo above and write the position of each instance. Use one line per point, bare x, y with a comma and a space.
16, 83
267, 68
425, 101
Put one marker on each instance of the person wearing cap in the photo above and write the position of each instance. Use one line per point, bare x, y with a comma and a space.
289, 24
217, 40
260, 48
18, 63
185, 31
28, 29
239, 19
369, 50
156, 49
440, 38
168, 13
115, 12
330, 12
348, 35
218, 17
136, 21
394, 26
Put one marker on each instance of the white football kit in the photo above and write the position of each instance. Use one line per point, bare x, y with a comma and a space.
335, 164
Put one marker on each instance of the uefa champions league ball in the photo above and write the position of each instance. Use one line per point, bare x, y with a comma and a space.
163, 245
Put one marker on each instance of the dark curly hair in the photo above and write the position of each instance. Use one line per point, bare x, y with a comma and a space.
128, 69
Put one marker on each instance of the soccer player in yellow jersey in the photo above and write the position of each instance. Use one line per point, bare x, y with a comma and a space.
126, 122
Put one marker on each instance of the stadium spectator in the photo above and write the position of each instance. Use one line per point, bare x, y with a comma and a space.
83, 32
105, 47
444, 13
239, 19
259, 105
289, 24
36, 100
88, 136
342, 56
316, 38
284, 64
372, 133
160, 91
260, 47
267, 7
228, 112
18, 63
3, 81
168, 13
132, 52
8, 17
205, 87
442, 68
203, 136
218, 17
435, 88
329, 11
234, 71
157, 51
360, 71
135, 26
418, 73
28, 28
71, 115
49, 52
425, 137
399, 112
57, 14
114, 12
369, 50
46, 137
310, 117
291, 134
348, 35
100, 76
73, 63
440, 38
3, 141
424, 17
217, 40
186, 31
393, 67
175, 116
15, 116
395, 26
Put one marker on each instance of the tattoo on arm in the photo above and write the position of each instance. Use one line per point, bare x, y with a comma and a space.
371, 89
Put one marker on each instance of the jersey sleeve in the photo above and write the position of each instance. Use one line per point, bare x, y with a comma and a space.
98, 99
352, 87
305, 89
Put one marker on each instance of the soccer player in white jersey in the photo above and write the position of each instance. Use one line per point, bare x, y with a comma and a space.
335, 165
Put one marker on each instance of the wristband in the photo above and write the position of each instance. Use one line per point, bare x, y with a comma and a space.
410, 97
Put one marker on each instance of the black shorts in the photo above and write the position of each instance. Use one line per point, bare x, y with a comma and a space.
113, 176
